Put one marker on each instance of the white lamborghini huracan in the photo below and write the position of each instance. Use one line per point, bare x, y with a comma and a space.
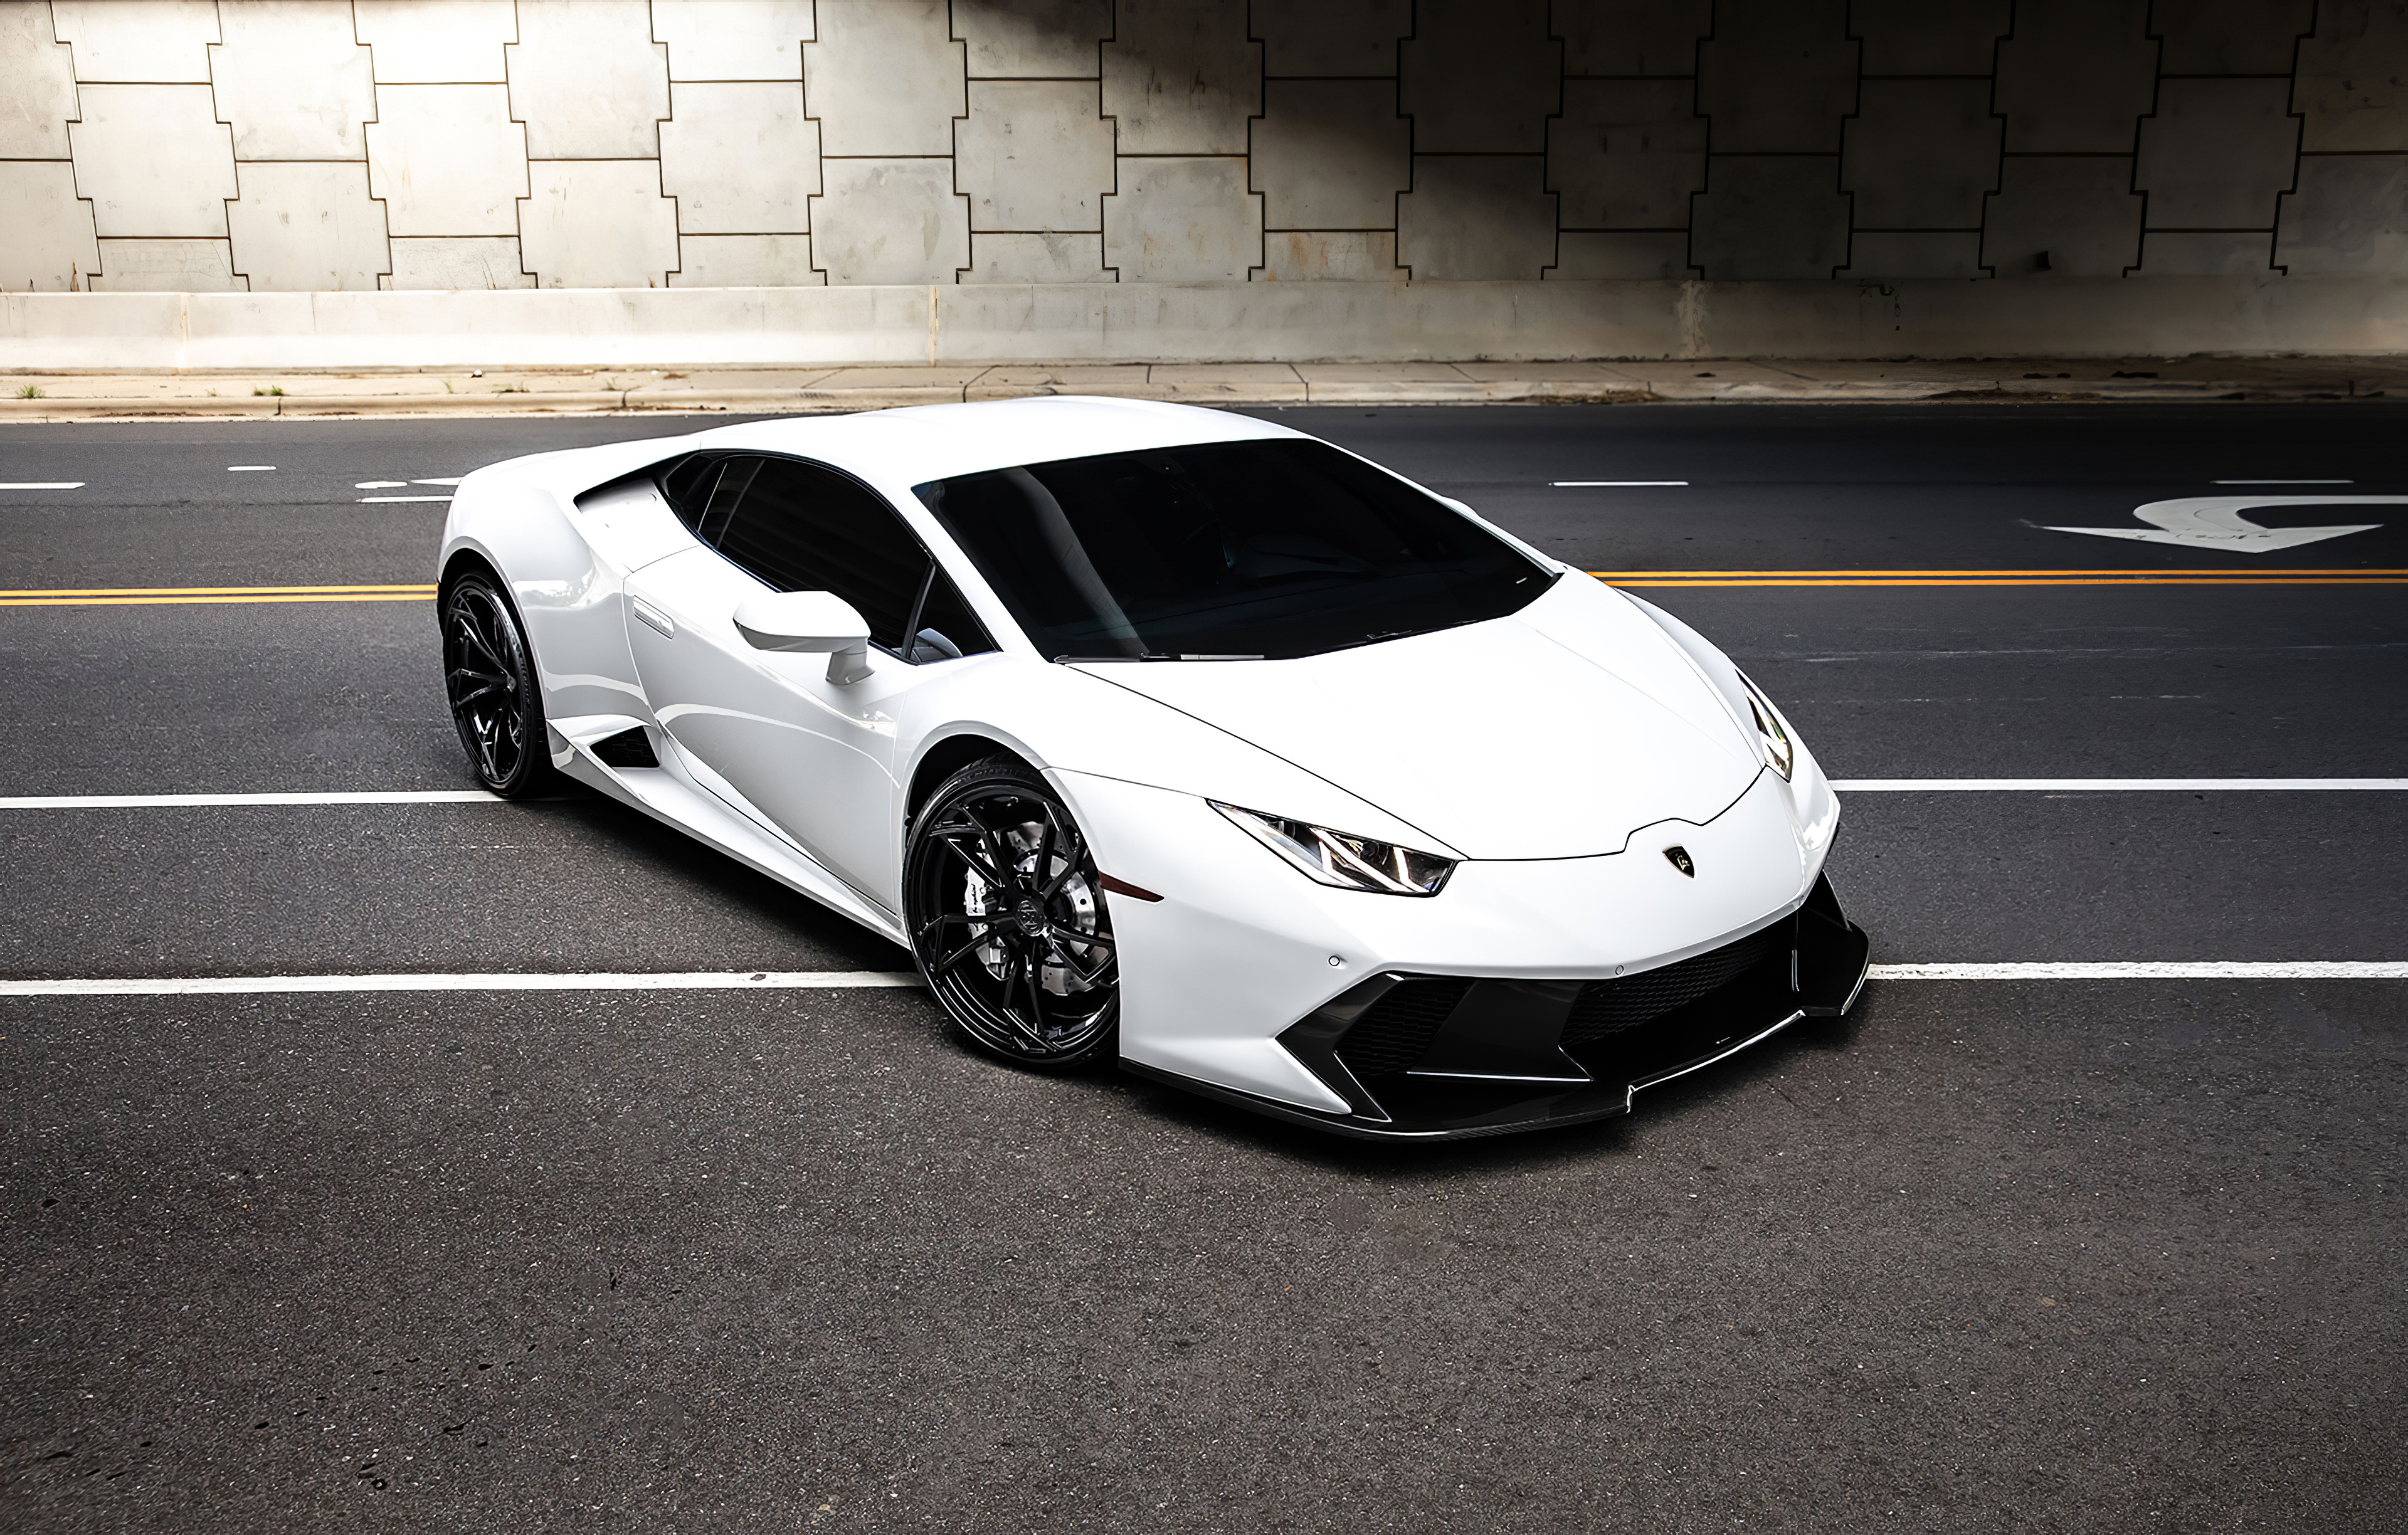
1170, 737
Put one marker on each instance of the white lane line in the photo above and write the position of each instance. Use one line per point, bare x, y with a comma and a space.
365, 499
41, 484
1845, 786
2104, 785
149, 802
380, 484
2279, 970
2281, 481
224, 986
250, 468
1593, 484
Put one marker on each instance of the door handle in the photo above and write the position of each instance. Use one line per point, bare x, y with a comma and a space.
652, 616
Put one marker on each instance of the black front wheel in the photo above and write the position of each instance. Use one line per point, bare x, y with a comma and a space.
489, 681
1007, 917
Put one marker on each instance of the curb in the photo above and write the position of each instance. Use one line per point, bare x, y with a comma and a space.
805, 401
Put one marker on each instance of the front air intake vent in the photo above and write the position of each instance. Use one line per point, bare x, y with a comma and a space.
1606, 1008
1395, 1032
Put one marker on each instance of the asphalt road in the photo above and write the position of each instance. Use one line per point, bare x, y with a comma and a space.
2018, 1256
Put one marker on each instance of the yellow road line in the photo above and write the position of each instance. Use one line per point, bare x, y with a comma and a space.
1772, 578
139, 596
1854, 574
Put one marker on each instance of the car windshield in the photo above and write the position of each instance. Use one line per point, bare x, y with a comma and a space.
1225, 550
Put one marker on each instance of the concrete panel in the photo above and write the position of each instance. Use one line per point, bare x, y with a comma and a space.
1184, 220
1632, 36
2229, 37
1331, 154
1477, 217
588, 80
733, 39
1920, 154
1480, 76
2076, 76
437, 42
40, 97
1626, 155
447, 160
1918, 37
2080, 215
1033, 155
2217, 153
1643, 255
1342, 38
162, 42
165, 267
597, 223
291, 80
1024, 257
884, 77
2350, 215
46, 243
741, 158
1769, 216
2206, 253
1913, 253
306, 226
457, 265
889, 220
745, 260
1181, 78
1033, 39
1317, 255
2352, 77
1778, 76
155, 160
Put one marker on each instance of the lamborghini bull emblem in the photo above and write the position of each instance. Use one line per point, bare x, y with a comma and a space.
1679, 860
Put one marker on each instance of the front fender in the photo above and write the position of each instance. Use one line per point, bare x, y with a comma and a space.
1061, 720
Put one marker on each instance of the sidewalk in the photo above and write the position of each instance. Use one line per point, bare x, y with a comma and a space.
26, 396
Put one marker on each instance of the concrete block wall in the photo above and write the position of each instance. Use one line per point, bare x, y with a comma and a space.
317, 145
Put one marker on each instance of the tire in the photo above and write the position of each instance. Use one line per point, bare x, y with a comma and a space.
488, 680
1008, 922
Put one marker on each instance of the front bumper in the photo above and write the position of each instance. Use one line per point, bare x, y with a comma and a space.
1450, 1057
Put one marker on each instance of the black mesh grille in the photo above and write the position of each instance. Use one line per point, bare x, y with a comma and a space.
1395, 1032
1606, 1008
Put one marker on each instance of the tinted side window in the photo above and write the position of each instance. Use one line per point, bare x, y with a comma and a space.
803, 529
702, 489
947, 628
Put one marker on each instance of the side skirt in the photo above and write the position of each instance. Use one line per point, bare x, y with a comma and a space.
676, 801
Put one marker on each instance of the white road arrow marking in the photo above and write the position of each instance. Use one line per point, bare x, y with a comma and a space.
2214, 522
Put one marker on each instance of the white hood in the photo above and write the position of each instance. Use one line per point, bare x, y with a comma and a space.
1552, 734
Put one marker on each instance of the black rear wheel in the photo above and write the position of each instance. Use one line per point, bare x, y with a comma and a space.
1007, 917
489, 681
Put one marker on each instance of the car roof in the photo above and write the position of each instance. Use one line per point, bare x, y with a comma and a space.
918, 443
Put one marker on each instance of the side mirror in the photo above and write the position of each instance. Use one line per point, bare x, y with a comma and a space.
808, 621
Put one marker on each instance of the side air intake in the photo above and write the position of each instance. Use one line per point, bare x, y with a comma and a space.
627, 749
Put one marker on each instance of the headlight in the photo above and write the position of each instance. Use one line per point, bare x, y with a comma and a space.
1346, 862
1770, 740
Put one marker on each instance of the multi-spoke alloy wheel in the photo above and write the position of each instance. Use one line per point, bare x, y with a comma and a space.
489, 679
1008, 919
